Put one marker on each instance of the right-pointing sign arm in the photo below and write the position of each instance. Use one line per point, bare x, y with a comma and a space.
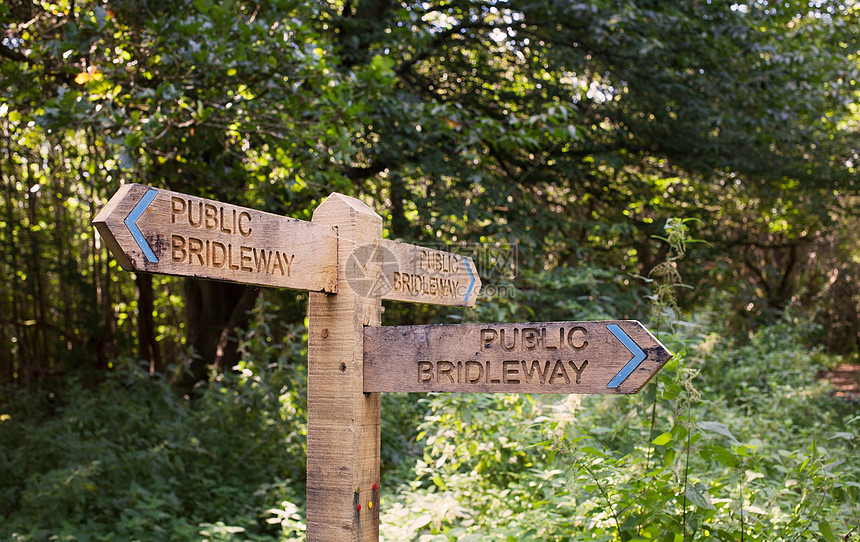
542, 357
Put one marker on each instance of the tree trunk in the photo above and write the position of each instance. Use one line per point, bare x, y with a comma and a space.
399, 224
7, 369
214, 311
37, 271
360, 25
101, 299
8, 267
147, 347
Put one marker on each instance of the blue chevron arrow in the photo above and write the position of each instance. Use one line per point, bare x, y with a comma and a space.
471, 276
131, 223
638, 355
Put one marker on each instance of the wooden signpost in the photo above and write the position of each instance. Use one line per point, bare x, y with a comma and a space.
548, 357
159, 231
341, 258
426, 275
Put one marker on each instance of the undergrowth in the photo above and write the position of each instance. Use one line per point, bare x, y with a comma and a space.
734, 439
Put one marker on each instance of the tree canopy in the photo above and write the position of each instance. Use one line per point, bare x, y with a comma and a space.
690, 164
572, 130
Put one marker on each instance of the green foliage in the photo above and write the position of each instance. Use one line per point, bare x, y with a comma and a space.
710, 456
731, 440
576, 131
582, 293
129, 460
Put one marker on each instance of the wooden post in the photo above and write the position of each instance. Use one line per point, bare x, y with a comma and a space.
343, 421
342, 252
613, 356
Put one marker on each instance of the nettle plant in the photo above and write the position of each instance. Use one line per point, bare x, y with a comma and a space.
719, 445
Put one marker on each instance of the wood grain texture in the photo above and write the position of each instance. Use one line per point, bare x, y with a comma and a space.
197, 237
424, 275
343, 422
542, 357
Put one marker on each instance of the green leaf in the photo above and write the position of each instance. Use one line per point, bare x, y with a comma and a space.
829, 467
382, 64
826, 531
717, 427
419, 522
631, 522
698, 495
662, 440
671, 391
720, 454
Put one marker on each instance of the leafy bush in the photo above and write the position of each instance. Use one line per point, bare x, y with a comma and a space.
713, 448
732, 439
130, 460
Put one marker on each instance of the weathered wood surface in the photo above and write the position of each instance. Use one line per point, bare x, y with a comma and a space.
159, 231
343, 422
548, 357
425, 275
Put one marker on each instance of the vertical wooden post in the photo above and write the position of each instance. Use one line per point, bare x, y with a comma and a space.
343, 422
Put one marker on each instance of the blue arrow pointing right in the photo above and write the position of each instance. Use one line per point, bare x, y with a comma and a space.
471, 276
131, 223
638, 355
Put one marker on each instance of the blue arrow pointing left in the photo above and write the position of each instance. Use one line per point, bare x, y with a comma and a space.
638, 355
131, 223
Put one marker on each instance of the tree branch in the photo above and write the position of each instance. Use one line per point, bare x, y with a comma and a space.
438, 40
12, 54
365, 172
17, 56
758, 273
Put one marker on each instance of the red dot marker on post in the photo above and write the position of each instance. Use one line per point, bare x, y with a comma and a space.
358, 508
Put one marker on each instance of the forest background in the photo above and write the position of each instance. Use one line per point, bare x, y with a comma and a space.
689, 164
